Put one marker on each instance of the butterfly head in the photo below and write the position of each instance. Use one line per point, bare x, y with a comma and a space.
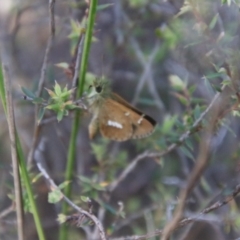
99, 88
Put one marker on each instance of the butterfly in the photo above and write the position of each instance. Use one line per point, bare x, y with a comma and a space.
115, 117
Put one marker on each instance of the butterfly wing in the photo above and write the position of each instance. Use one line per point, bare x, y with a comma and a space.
120, 122
113, 122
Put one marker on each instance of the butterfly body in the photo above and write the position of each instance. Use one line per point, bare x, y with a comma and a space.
115, 117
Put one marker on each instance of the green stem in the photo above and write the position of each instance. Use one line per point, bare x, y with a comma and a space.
76, 122
28, 186
23, 168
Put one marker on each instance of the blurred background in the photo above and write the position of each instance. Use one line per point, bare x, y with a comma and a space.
167, 58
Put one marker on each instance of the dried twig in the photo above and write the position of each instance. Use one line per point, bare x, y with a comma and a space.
195, 175
43, 76
7, 211
15, 165
78, 60
188, 220
54, 186
48, 48
197, 171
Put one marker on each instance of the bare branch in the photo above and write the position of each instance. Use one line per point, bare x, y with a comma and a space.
197, 171
43, 76
78, 61
39, 159
7, 211
188, 220
15, 165
48, 48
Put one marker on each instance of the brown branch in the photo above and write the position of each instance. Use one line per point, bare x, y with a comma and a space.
15, 165
194, 177
201, 163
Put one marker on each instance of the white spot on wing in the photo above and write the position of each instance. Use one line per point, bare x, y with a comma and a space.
127, 113
140, 119
114, 124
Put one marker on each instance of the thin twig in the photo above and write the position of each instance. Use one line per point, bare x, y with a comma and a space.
43, 76
188, 220
78, 61
48, 48
149, 154
7, 211
54, 186
15, 165
197, 171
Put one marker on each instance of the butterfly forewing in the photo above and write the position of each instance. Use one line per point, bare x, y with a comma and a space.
113, 122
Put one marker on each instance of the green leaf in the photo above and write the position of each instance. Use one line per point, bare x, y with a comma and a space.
51, 93
213, 22
98, 150
192, 89
177, 83
57, 89
38, 100
186, 152
213, 75
168, 124
183, 100
217, 88
180, 125
40, 114
54, 107
189, 144
226, 82
54, 196
184, 9
64, 184
60, 115
197, 112
98, 187
208, 85
85, 179
85, 199
28, 93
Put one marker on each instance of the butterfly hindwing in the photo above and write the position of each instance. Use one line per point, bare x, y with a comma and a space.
143, 125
